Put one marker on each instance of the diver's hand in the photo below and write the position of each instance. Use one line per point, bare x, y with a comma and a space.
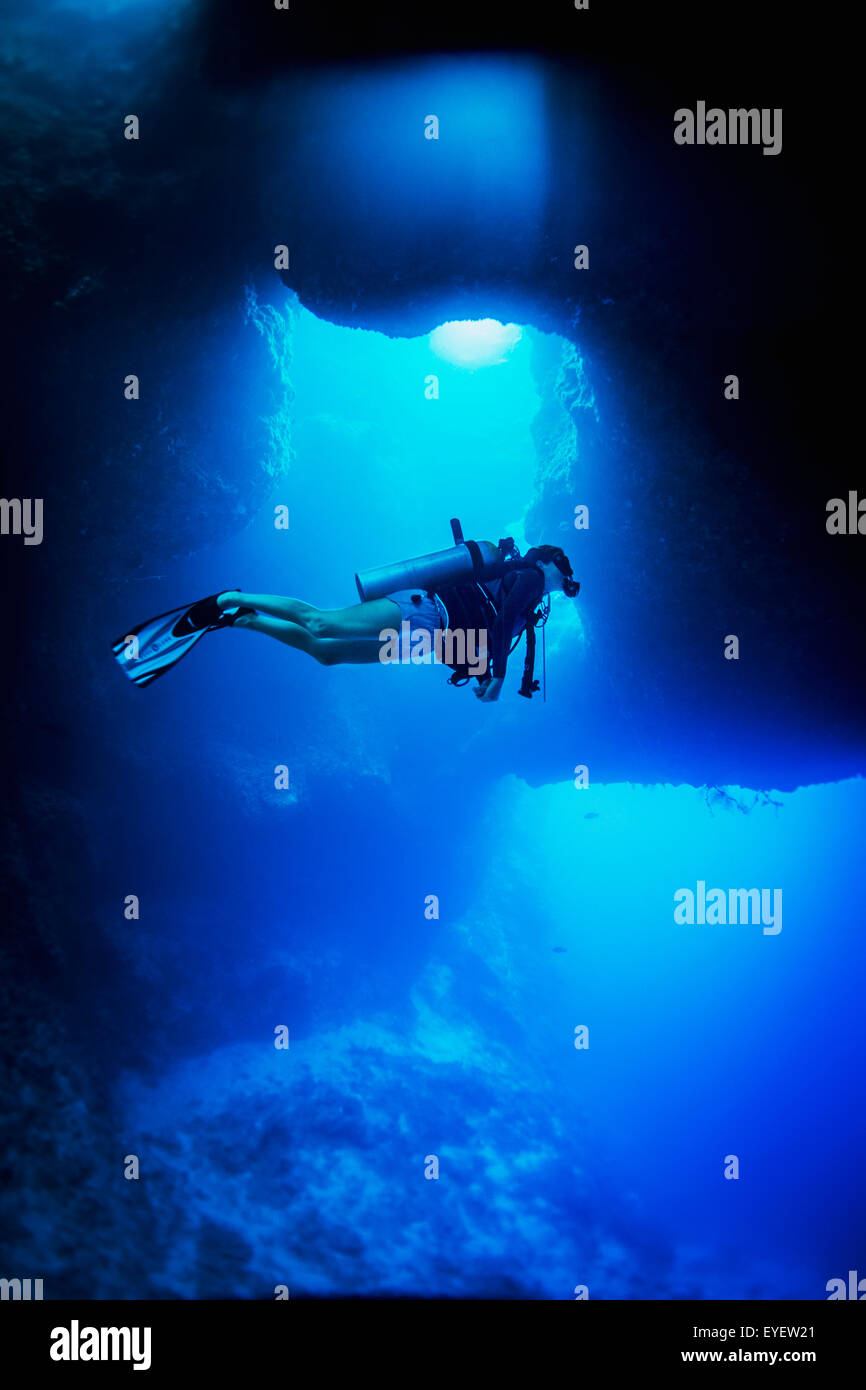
489, 691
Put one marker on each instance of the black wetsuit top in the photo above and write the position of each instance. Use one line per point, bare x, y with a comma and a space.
514, 597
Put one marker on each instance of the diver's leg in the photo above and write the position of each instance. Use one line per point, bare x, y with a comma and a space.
360, 620
326, 650
292, 610
292, 634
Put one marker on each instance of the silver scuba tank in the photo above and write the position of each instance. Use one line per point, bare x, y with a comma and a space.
434, 571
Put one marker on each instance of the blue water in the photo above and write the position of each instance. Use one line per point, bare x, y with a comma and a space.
431, 907
451, 1034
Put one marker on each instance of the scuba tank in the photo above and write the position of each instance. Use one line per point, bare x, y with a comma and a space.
464, 561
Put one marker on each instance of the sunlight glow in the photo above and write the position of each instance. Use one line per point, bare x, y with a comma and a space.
475, 342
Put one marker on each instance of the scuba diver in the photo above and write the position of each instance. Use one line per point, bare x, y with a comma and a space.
469, 605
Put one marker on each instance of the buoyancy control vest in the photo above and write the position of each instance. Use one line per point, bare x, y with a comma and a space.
472, 579
477, 607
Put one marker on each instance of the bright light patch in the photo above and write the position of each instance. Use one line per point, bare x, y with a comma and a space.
475, 342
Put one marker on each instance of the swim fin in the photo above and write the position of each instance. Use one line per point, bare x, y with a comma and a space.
153, 647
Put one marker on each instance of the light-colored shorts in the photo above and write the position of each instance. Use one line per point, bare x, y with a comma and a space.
422, 613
